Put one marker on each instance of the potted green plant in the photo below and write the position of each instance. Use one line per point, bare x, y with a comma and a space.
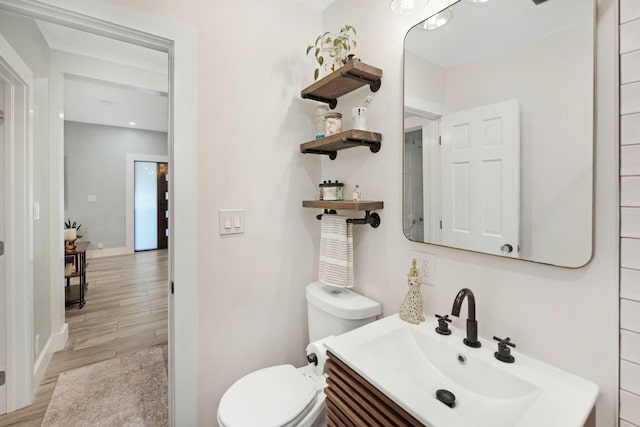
68, 224
330, 50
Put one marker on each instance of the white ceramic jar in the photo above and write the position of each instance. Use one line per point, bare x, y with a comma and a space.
332, 123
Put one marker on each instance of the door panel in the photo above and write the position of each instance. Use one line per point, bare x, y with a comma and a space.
163, 205
461, 216
480, 162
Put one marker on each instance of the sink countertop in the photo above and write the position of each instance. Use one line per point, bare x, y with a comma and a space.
409, 362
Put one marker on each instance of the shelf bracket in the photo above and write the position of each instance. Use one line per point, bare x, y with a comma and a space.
373, 219
332, 154
374, 85
326, 211
333, 103
373, 146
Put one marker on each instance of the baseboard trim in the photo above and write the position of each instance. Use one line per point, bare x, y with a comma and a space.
41, 365
59, 340
54, 343
99, 253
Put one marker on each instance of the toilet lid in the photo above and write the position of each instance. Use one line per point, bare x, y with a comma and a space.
271, 396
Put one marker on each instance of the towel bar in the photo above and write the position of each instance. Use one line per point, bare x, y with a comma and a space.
373, 219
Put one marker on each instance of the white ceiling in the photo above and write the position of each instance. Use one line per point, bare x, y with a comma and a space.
318, 5
95, 46
106, 103
97, 102
479, 29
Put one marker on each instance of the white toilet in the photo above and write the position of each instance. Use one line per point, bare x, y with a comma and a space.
283, 396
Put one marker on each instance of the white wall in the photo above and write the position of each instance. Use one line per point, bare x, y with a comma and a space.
565, 317
424, 79
95, 164
41, 288
252, 311
630, 214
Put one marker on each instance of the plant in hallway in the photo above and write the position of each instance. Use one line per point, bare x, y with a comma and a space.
331, 50
68, 224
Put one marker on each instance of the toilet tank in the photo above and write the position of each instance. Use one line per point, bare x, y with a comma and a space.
333, 311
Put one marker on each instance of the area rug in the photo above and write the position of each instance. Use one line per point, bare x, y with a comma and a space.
129, 390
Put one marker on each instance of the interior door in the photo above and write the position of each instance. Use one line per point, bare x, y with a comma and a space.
3, 216
480, 164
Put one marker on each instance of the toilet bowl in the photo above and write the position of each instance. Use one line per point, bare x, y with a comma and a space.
283, 395
277, 396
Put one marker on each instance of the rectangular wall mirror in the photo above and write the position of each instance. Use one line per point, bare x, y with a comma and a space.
498, 129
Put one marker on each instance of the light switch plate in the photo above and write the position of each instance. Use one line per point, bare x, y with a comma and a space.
92, 198
231, 221
36, 211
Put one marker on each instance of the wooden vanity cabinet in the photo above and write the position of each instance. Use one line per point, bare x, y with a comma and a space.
353, 401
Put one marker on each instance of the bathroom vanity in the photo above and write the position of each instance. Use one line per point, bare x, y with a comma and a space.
352, 399
391, 372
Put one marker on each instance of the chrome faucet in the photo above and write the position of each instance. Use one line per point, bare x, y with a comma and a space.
472, 326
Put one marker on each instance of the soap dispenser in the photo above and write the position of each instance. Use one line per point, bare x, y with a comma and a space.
411, 308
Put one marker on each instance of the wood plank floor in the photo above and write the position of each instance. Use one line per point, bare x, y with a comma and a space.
126, 311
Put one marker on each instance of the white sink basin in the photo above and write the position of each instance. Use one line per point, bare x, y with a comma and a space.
409, 363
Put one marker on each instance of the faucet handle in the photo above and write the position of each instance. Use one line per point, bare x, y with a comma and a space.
444, 318
443, 327
504, 352
505, 341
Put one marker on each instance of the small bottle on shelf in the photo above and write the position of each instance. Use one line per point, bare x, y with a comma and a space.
321, 110
357, 196
339, 191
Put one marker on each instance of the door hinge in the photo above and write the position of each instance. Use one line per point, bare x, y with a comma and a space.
2, 378
1, 117
1, 248
440, 224
172, 287
439, 140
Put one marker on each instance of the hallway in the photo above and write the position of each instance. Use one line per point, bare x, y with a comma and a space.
126, 311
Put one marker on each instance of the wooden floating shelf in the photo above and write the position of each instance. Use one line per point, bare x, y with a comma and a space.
350, 138
351, 76
346, 205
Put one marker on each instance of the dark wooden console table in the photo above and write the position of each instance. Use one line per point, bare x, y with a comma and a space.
74, 293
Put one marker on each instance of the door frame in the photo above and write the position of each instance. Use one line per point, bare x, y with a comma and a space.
180, 42
430, 124
18, 227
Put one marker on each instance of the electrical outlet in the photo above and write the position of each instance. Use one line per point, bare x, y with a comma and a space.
426, 264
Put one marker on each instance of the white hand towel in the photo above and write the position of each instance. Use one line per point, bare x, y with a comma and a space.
336, 251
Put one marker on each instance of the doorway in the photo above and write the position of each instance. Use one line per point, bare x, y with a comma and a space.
151, 205
413, 218
180, 42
